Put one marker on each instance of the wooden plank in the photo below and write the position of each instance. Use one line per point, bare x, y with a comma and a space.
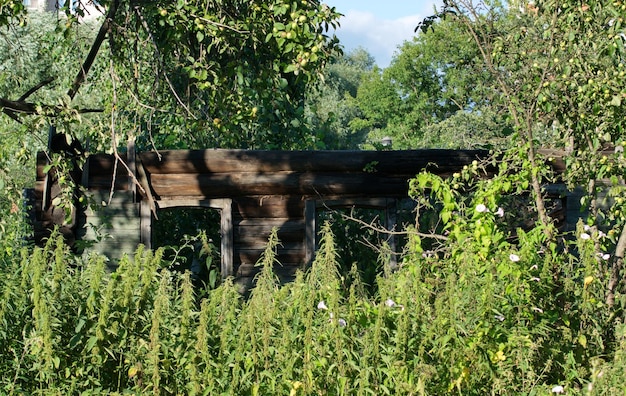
260, 242
251, 257
176, 202
113, 222
282, 271
256, 236
349, 202
118, 199
268, 206
227, 239
103, 182
112, 235
283, 248
310, 232
145, 224
261, 222
282, 183
103, 164
115, 249
126, 210
391, 162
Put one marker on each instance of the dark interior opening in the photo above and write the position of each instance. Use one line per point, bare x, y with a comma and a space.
191, 239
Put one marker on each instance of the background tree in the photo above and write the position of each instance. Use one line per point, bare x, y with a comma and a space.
30, 54
218, 74
436, 83
331, 104
558, 68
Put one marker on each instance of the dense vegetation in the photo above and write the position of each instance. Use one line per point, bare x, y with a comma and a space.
489, 297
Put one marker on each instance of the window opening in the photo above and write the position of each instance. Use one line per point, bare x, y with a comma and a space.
191, 239
358, 239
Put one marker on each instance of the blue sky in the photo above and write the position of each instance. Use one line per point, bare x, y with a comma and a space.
380, 26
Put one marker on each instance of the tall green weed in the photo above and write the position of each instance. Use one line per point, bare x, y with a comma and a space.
486, 309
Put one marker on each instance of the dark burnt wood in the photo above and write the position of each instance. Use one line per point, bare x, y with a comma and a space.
280, 183
272, 189
271, 161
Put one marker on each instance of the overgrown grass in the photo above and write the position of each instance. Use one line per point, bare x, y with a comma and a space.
465, 323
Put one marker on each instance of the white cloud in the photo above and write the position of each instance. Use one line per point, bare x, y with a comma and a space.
380, 37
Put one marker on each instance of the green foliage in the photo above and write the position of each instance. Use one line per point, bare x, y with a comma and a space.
358, 242
489, 310
40, 51
330, 103
480, 304
12, 12
435, 87
236, 80
31, 54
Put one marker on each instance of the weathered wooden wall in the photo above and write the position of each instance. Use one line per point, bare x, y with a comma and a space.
271, 189
112, 229
255, 192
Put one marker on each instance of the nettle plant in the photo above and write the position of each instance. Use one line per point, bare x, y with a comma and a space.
510, 299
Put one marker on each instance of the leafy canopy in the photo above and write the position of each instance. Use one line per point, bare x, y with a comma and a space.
226, 74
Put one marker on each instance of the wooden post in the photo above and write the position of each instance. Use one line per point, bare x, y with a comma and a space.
309, 234
145, 224
226, 226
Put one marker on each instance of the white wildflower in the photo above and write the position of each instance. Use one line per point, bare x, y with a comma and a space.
342, 322
514, 257
500, 318
480, 208
390, 303
428, 254
587, 227
535, 279
500, 212
534, 267
321, 305
601, 234
585, 236
558, 389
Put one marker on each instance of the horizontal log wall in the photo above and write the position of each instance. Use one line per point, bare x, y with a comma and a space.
270, 189
267, 189
387, 162
254, 217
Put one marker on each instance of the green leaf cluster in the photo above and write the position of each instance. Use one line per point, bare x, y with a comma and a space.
219, 74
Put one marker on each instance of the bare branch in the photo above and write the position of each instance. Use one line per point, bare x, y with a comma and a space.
35, 89
210, 22
381, 230
160, 60
104, 28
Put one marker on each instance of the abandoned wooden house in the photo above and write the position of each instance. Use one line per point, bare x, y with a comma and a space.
253, 191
